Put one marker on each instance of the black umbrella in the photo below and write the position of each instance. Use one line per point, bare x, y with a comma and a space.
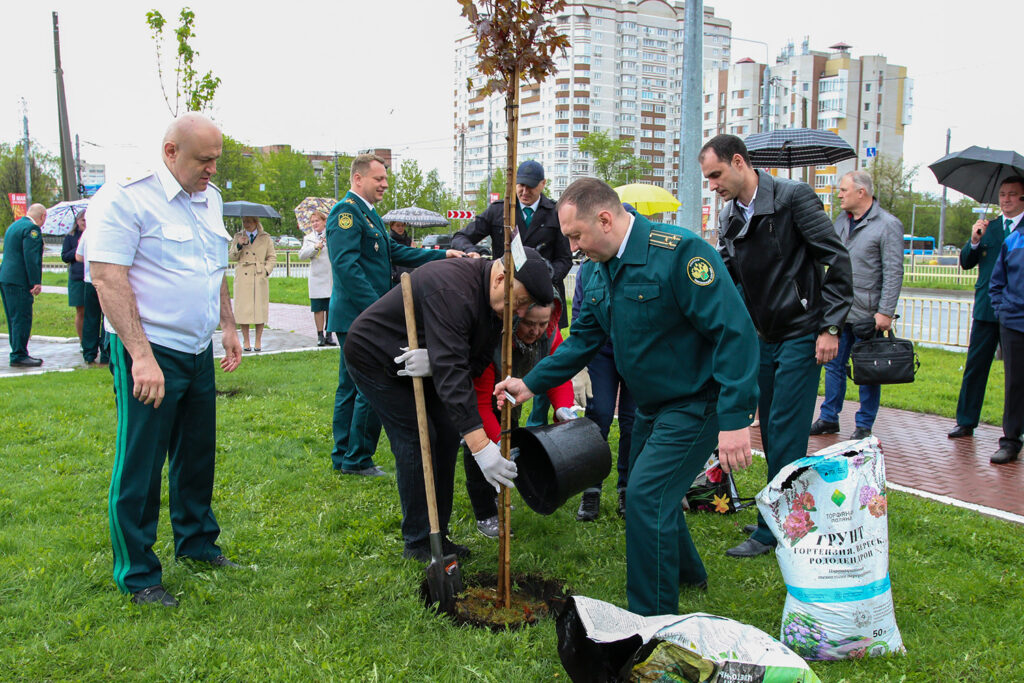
794, 147
250, 209
978, 171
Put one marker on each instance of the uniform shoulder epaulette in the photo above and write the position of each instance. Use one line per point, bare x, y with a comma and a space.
349, 200
665, 240
130, 180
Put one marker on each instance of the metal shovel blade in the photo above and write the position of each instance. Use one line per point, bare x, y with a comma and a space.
444, 579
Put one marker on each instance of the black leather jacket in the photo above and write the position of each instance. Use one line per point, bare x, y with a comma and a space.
779, 261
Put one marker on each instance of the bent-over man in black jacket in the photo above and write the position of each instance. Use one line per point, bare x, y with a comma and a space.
776, 241
458, 305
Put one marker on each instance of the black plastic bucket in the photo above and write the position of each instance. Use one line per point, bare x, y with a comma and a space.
558, 461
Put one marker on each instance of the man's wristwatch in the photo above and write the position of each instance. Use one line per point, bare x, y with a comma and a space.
832, 329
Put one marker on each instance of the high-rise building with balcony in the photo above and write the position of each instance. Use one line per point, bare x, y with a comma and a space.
622, 74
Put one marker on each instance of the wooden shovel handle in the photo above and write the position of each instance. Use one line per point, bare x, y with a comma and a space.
421, 406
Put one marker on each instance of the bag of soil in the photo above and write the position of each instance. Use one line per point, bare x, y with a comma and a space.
828, 512
601, 643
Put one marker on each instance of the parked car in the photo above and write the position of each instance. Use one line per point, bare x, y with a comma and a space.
288, 242
437, 242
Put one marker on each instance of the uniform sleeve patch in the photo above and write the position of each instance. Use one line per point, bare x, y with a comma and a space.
700, 271
665, 240
33, 233
345, 221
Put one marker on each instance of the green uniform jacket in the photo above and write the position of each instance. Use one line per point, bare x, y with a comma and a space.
676, 320
362, 253
23, 254
984, 256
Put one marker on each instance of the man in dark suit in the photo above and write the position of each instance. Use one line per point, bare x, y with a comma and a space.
983, 250
21, 275
537, 222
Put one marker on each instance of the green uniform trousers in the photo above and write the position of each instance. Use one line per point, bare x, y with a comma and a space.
788, 380
94, 337
356, 426
183, 429
669, 451
980, 352
18, 310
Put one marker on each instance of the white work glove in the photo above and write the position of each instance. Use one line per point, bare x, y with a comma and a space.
565, 414
497, 470
582, 390
417, 363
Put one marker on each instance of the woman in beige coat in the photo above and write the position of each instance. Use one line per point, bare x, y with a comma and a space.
254, 251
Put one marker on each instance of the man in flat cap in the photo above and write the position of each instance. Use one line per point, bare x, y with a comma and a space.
459, 305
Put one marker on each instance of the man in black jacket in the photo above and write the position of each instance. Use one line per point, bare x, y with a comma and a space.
458, 306
537, 222
776, 241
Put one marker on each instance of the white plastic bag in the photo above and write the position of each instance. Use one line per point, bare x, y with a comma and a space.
828, 512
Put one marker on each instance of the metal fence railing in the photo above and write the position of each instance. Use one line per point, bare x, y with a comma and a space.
949, 274
946, 322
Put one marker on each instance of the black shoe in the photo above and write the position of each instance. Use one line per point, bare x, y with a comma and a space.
371, 471
822, 427
590, 506
1004, 455
320, 339
961, 431
154, 594
450, 548
27, 362
622, 503
328, 340
860, 433
221, 561
749, 548
749, 529
420, 553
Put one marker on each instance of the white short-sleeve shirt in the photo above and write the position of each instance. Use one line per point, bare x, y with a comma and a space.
176, 249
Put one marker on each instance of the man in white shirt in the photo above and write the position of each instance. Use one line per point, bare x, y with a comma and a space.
157, 251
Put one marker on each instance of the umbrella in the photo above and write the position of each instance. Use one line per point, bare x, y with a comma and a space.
978, 171
794, 147
60, 218
310, 205
250, 209
416, 217
647, 199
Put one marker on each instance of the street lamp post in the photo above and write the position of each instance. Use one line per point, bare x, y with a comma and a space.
913, 220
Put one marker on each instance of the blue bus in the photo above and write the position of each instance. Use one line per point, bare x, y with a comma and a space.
919, 246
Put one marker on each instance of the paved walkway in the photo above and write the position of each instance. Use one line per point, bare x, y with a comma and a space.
921, 460
919, 457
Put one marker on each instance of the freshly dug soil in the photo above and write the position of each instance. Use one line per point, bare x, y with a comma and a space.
534, 597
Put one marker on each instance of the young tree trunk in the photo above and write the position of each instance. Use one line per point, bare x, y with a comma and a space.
504, 519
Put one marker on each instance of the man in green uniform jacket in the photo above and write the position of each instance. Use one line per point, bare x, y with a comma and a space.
982, 250
661, 292
361, 253
21, 274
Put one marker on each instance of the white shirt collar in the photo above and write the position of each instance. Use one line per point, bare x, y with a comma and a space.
1012, 222
748, 210
533, 207
625, 238
368, 204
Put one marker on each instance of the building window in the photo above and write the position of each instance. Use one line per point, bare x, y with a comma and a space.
867, 106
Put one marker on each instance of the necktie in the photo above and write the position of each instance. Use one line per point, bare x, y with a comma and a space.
527, 215
1007, 226
252, 237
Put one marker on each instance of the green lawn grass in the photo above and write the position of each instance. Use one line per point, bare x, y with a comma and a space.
329, 597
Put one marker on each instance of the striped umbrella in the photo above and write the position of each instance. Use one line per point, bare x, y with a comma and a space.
416, 217
796, 147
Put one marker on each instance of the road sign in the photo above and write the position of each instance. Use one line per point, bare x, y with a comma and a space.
980, 209
871, 152
495, 197
460, 214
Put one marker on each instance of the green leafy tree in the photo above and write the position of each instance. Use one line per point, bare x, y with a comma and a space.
960, 217
497, 184
892, 182
288, 178
45, 173
238, 165
614, 160
409, 187
193, 90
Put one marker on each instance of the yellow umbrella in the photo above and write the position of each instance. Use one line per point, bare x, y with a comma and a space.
647, 199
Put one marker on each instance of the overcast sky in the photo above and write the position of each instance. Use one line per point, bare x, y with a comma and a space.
324, 75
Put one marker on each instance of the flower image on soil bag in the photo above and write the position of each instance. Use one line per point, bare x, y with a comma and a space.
829, 514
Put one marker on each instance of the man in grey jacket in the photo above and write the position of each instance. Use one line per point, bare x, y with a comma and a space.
874, 238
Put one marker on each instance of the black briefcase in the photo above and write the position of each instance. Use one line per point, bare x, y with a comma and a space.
883, 360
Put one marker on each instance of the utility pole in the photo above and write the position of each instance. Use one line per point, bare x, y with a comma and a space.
490, 133
335, 175
67, 173
688, 214
942, 206
765, 102
28, 157
78, 163
462, 167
